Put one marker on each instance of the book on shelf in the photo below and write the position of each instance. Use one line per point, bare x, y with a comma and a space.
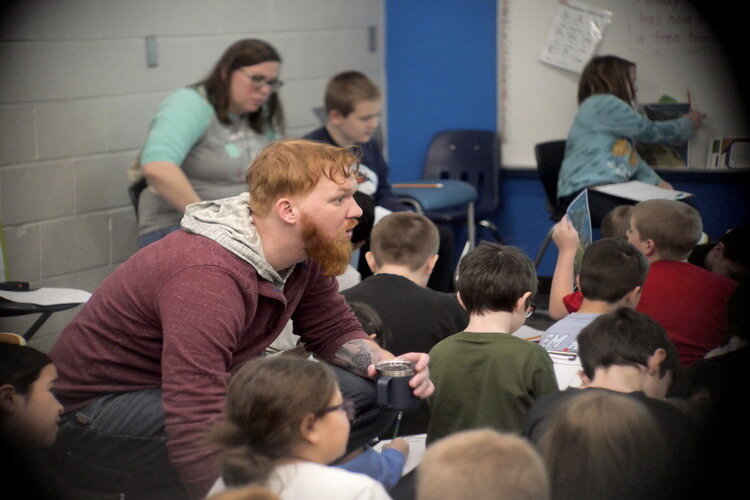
664, 155
728, 152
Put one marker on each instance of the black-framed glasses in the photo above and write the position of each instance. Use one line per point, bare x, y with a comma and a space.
259, 81
347, 407
530, 309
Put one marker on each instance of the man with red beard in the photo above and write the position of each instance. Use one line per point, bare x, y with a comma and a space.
143, 368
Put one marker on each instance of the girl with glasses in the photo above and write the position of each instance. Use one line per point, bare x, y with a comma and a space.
285, 421
204, 136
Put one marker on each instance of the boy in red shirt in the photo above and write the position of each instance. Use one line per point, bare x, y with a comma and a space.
689, 302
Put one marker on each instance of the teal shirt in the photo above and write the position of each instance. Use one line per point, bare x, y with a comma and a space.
486, 380
599, 149
213, 155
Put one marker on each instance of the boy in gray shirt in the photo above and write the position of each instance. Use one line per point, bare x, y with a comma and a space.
612, 274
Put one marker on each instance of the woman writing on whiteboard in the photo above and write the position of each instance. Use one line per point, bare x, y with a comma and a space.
600, 147
204, 136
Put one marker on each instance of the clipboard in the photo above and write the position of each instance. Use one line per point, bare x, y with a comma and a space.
641, 191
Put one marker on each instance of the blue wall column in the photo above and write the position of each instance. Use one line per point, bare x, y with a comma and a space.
440, 65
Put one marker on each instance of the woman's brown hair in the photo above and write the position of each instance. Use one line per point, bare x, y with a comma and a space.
246, 52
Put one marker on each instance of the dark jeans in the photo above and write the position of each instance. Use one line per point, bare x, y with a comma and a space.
117, 444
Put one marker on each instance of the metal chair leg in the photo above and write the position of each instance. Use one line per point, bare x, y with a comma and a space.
471, 226
542, 249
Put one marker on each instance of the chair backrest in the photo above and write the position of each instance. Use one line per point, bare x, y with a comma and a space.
549, 157
134, 191
471, 156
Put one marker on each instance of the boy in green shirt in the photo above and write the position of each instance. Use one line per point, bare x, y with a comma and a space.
484, 376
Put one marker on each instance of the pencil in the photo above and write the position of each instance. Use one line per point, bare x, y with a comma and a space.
398, 424
690, 100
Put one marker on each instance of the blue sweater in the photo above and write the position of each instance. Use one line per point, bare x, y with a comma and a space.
385, 467
600, 149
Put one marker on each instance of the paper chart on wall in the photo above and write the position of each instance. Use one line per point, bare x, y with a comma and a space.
574, 35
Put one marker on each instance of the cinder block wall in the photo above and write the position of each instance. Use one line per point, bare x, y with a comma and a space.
76, 97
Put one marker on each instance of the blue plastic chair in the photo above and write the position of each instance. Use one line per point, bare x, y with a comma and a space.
461, 179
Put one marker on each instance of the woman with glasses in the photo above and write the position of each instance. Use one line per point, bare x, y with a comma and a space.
204, 136
285, 421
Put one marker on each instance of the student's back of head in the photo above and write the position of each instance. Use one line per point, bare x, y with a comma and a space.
611, 268
347, 89
732, 254
603, 445
492, 277
404, 239
371, 322
626, 337
673, 226
482, 464
616, 222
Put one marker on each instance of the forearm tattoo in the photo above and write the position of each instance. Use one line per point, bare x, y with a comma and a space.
356, 355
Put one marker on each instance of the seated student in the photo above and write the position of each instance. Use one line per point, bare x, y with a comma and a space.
385, 466
616, 222
485, 376
29, 416
403, 252
625, 352
612, 274
730, 256
689, 302
29, 410
600, 147
564, 297
604, 445
285, 420
353, 104
482, 464
402, 256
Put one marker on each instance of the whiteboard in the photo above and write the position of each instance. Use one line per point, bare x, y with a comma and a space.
674, 51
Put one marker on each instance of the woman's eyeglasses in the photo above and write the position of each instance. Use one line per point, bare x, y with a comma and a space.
347, 407
260, 81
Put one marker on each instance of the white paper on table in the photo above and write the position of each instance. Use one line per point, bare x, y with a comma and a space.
416, 450
640, 191
528, 333
47, 296
567, 366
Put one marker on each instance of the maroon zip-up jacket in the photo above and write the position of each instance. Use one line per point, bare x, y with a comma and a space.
181, 315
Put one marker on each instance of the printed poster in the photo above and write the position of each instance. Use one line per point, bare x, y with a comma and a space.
574, 35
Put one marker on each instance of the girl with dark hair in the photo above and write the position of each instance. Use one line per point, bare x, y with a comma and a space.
204, 136
600, 147
29, 410
285, 420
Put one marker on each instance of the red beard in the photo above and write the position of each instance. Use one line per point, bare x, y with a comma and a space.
331, 253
